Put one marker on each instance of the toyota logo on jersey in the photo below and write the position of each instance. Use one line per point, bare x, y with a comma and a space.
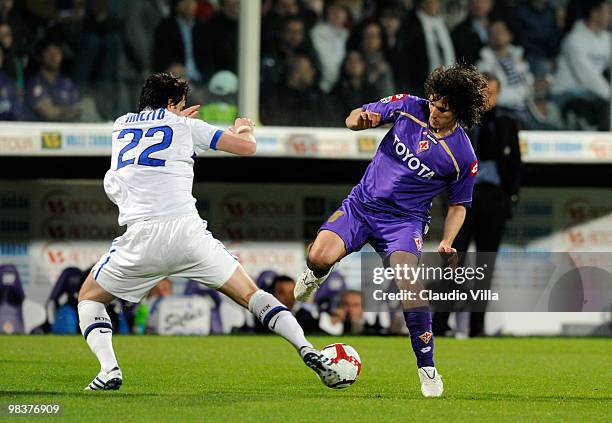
412, 161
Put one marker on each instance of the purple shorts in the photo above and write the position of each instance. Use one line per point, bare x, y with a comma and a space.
385, 232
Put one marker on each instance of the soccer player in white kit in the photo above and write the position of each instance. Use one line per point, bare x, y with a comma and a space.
150, 180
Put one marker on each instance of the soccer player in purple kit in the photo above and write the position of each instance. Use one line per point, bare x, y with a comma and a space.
425, 152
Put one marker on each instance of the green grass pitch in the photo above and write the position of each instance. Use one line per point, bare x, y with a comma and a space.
261, 379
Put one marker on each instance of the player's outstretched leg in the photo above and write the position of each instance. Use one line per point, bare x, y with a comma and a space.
323, 254
276, 317
418, 321
98, 332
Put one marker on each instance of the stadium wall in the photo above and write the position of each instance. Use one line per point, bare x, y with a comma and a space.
48, 225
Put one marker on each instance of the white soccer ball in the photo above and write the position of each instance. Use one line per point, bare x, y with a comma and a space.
346, 362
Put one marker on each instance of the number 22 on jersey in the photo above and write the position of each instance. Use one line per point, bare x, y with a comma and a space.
144, 158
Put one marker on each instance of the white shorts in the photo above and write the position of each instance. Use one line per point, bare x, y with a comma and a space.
150, 251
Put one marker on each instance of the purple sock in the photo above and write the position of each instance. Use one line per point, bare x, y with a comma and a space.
418, 321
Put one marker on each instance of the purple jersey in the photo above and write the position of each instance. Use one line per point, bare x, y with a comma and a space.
61, 92
412, 165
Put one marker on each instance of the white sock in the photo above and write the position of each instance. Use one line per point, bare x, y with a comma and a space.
98, 332
276, 317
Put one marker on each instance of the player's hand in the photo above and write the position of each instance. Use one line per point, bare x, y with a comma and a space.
368, 119
243, 125
338, 315
190, 112
448, 253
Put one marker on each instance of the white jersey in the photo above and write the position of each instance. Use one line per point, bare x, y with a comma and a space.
151, 172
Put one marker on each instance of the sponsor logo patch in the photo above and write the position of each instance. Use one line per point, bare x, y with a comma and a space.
391, 98
474, 168
51, 140
426, 337
426, 349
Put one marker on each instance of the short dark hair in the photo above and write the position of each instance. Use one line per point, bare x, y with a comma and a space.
161, 88
591, 6
46, 43
280, 279
349, 292
464, 90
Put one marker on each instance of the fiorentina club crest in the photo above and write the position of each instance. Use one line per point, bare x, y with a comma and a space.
426, 337
418, 243
423, 145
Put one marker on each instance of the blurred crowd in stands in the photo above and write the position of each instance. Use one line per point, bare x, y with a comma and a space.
335, 310
85, 60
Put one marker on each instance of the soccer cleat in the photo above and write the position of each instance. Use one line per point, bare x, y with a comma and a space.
106, 381
321, 365
431, 382
307, 284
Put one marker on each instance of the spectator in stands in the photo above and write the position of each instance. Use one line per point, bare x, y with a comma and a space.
424, 44
372, 46
282, 289
298, 100
141, 18
14, 60
329, 41
10, 103
292, 41
315, 7
574, 11
496, 189
353, 87
390, 19
221, 105
539, 34
221, 39
506, 62
454, 12
273, 22
51, 96
359, 10
96, 67
347, 317
581, 83
180, 38
471, 35
14, 17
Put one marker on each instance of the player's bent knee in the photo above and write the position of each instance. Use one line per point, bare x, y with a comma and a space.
319, 258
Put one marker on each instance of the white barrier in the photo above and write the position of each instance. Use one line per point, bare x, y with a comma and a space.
76, 139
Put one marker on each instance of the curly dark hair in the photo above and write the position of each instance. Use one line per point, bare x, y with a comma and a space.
464, 90
159, 89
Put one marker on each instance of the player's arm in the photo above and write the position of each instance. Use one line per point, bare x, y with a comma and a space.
50, 112
360, 119
239, 139
452, 225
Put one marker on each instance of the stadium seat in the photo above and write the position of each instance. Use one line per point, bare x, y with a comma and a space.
195, 288
62, 303
11, 300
